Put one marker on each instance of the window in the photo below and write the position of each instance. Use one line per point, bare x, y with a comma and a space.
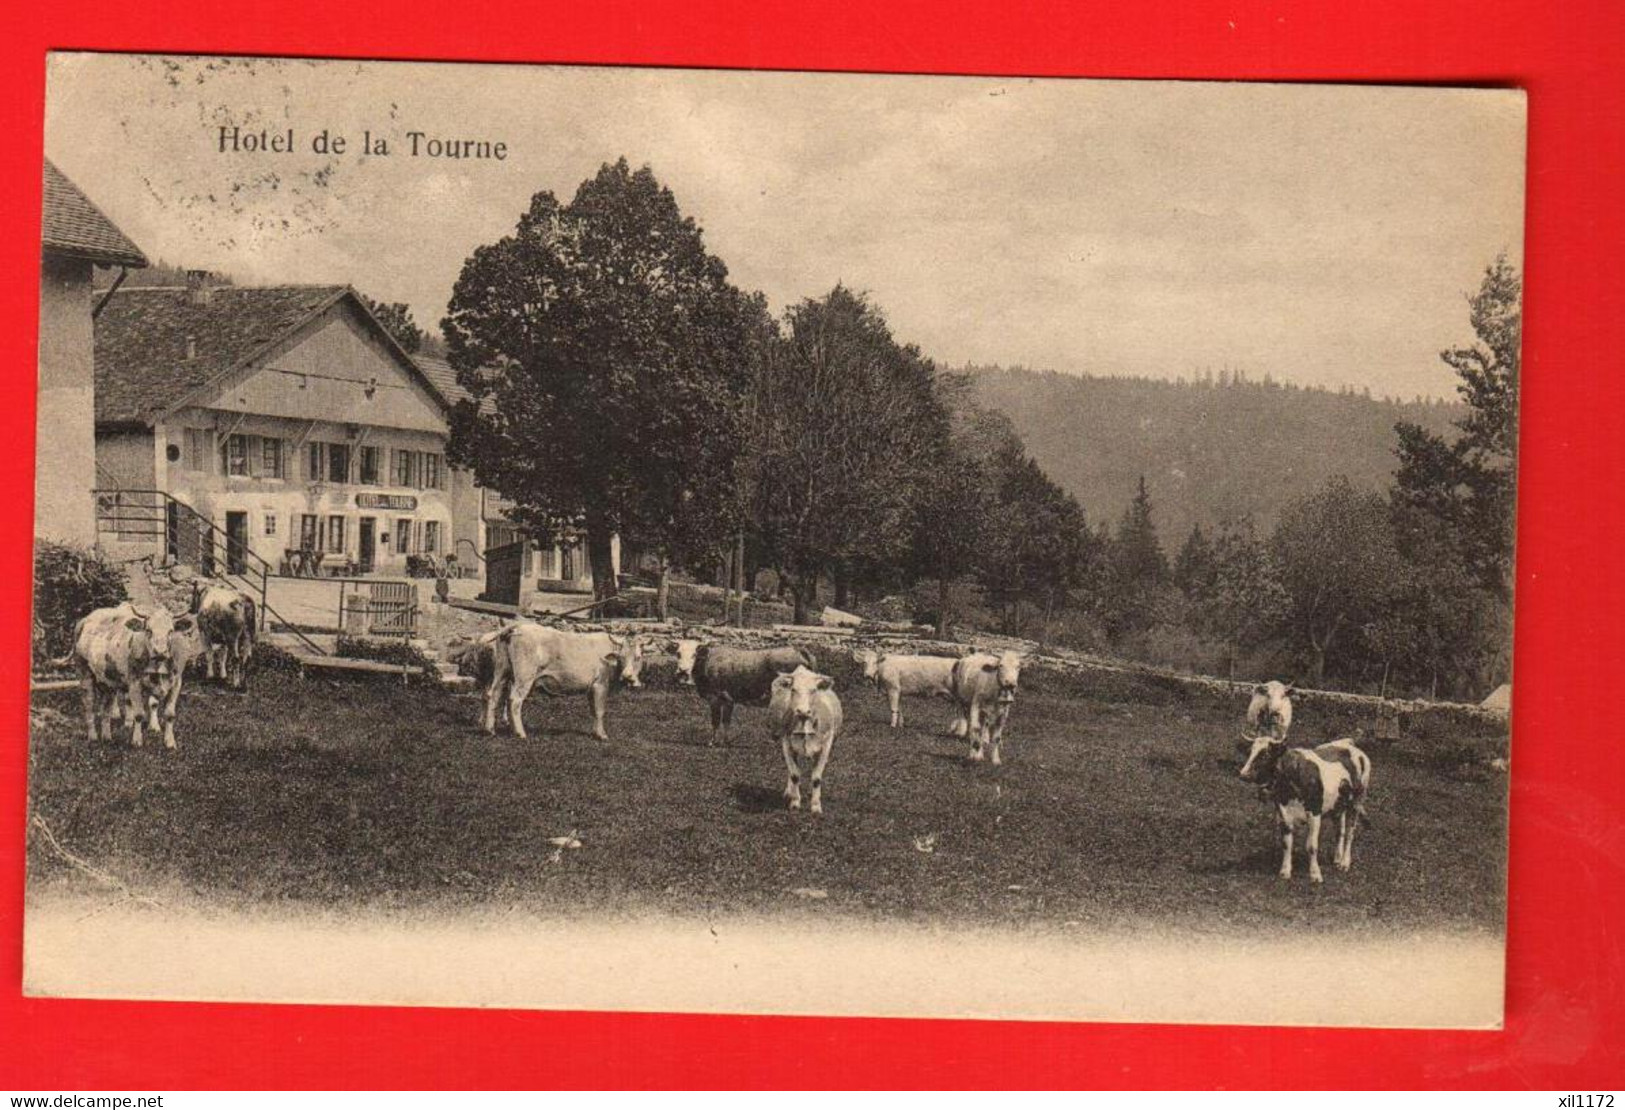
549, 564
335, 535
431, 471
318, 462
403, 467
403, 535
367, 462
270, 524
431, 537
309, 528
271, 459
235, 452
338, 462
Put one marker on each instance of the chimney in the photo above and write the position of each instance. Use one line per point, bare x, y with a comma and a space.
197, 287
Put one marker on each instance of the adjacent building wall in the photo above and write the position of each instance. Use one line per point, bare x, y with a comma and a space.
65, 453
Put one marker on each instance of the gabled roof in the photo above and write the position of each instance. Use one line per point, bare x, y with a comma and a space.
72, 225
443, 378
158, 347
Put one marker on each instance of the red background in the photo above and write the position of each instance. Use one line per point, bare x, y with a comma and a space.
1568, 839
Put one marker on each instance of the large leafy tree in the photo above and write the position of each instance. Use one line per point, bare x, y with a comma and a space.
1239, 598
955, 534
1336, 555
845, 428
609, 359
1466, 485
1040, 547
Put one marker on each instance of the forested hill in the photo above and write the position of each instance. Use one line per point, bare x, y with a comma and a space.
1210, 450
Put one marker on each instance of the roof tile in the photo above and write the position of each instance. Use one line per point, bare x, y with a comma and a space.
143, 336
72, 225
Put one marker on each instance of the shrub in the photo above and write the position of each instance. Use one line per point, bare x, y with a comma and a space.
69, 581
270, 657
393, 652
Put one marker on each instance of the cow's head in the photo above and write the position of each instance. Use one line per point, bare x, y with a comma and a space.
627, 659
1263, 753
158, 630
687, 652
869, 659
1274, 693
801, 684
1008, 670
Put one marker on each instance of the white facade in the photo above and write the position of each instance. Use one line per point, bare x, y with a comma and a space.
327, 445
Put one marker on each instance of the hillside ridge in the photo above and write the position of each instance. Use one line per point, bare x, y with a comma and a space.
1211, 450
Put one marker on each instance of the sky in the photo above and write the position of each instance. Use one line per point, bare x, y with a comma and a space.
1326, 235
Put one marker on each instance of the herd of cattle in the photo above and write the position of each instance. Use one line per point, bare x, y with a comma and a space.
131, 664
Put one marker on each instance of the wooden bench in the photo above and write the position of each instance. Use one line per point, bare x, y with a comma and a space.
370, 666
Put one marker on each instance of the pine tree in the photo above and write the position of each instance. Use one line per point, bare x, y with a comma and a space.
1195, 569
1140, 561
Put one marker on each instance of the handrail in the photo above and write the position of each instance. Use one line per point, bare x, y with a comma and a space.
110, 506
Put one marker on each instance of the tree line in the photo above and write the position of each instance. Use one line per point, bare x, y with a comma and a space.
622, 385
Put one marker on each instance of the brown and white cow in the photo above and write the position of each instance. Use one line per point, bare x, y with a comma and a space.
475, 657
1270, 710
559, 662
226, 623
728, 676
985, 688
804, 715
913, 675
1307, 785
131, 663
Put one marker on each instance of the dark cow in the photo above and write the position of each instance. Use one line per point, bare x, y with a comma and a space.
475, 658
729, 676
139, 657
1307, 784
227, 623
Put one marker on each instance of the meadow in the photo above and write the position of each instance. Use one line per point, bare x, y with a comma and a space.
1113, 809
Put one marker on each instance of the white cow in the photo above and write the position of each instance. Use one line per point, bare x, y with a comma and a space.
914, 675
1307, 784
805, 716
985, 688
560, 662
1270, 711
687, 651
139, 656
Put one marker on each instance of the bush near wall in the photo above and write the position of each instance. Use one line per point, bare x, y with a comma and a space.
393, 652
69, 581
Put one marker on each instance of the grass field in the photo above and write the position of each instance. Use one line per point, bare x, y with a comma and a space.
1106, 813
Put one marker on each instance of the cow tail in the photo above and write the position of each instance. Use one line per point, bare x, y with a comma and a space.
807, 658
73, 651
